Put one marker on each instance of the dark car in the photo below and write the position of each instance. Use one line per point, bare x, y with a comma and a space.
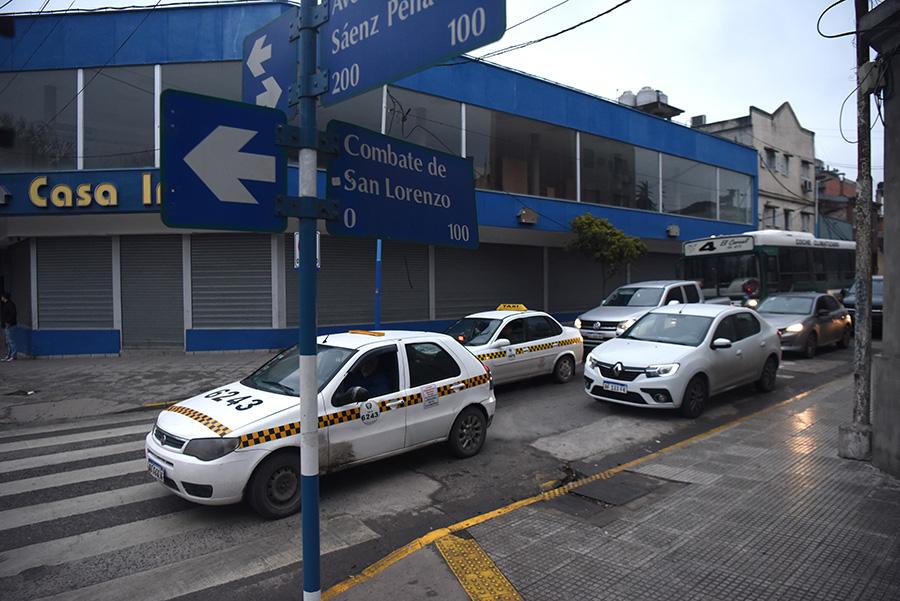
877, 302
807, 320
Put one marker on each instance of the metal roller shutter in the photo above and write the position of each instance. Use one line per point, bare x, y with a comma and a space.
75, 283
576, 282
404, 282
19, 282
346, 282
231, 280
478, 280
152, 296
655, 266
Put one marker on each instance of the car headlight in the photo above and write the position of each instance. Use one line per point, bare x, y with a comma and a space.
665, 369
578, 322
752, 303
794, 328
624, 325
207, 449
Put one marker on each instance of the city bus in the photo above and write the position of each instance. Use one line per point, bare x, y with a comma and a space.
746, 268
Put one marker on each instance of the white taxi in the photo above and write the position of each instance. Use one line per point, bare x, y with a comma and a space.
380, 394
516, 343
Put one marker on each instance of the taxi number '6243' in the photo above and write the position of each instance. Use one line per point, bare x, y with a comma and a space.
231, 398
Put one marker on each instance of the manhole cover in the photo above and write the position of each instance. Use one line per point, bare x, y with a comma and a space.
620, 489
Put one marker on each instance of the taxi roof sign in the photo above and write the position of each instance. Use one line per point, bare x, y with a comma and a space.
512, 307
365, 332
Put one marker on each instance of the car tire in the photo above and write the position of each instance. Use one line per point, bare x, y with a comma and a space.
695, 396
564, 370
844, 342
468, 433
766, 381
274, 488
812, 345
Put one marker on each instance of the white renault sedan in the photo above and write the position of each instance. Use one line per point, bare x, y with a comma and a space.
380, 394
679, 355
516, 343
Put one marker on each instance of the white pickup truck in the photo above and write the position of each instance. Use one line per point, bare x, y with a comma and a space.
629, 303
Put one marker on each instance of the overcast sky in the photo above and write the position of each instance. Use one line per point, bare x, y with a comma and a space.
712, 57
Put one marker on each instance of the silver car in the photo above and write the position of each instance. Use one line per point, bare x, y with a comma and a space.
678, 356
807, 320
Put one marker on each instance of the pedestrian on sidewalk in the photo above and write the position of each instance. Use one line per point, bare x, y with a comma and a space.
9, 322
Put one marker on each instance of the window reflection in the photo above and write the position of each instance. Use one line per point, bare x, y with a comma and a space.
363, 110
689, 187
618, 174
118, 117
221, 79
734, 196
424, 120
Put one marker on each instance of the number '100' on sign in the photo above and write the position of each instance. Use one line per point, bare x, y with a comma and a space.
392, 189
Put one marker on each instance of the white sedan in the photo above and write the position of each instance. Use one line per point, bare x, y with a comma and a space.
678, 356
516, 343
380, 394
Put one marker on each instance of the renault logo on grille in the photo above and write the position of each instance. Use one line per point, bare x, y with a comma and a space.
617, 370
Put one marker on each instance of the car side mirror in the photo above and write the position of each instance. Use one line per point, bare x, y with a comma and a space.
354, 394
721, 343
500, 343
674, 302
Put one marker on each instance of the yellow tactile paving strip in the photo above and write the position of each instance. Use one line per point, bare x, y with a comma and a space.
476, 572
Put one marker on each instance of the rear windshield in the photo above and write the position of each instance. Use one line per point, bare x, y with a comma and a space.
473, 331
634, 297
786, 305
668, 328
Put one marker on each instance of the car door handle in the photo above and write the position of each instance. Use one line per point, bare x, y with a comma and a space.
394, 404
458, 387
762, 343
739, 353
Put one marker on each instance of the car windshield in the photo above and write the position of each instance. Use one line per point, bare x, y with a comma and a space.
473, 331
669, 328
786, 305
634, 297
282, 373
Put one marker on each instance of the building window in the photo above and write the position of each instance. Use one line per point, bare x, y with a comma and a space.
689, 188
220, 79
769, 218
518, 155
806, 222
424, 120
363, 110
735, 196
615, 173
784, 164
770, 159
787, 219
40, 109
118, 117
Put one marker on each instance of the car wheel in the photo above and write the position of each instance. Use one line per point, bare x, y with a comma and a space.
812, 344
564, 369
844, 342
468, 433
695, 397
274, 490
766, 382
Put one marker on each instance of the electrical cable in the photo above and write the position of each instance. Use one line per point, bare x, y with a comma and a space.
535, 16
38, 47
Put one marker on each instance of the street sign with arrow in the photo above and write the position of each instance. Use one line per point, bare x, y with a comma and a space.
270, 63
220, 166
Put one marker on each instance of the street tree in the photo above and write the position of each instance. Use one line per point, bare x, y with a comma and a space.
601, 241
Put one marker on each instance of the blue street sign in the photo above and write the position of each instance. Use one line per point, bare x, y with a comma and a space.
392, 189
220, 167
366, 44
270, 63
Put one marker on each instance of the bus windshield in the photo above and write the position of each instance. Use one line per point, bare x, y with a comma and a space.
722, 275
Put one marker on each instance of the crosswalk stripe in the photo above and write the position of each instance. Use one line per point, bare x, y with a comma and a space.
27, 463
111, 420
35, 514
232, 564
115, 538
50, 441
89, 473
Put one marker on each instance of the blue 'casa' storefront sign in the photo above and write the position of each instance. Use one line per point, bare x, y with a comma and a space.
81, 192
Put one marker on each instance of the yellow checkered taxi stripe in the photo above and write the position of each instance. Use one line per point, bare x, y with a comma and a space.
545, 346
348, 415
204, 419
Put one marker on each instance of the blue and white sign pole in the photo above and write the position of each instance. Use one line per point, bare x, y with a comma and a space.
309, 414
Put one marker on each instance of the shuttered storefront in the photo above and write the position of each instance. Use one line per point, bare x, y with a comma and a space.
404, 282
18, 278
74, 281
576, 282
152, 298
655, 266
231, 280
467, 281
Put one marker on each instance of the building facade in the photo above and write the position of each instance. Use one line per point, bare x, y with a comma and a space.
786, 156
93, 269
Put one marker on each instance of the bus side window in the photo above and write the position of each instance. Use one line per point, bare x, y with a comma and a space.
819, 264
774, 285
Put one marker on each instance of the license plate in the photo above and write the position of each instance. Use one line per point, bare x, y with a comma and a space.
613, 387
156, 470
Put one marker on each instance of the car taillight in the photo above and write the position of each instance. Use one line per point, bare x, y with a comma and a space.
750, 287
490, 376
779, 333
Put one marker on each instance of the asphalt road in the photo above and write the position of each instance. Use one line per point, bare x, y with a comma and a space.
81, 519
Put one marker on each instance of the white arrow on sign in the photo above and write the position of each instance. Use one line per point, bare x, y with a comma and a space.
270, 97
258, 55
219, 163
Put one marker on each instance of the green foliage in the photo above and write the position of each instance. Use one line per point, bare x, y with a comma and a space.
601, 241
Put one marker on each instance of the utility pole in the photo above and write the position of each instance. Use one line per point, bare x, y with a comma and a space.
856, 437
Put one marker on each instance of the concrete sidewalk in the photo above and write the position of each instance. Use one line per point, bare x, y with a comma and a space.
762, 509
52, 389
